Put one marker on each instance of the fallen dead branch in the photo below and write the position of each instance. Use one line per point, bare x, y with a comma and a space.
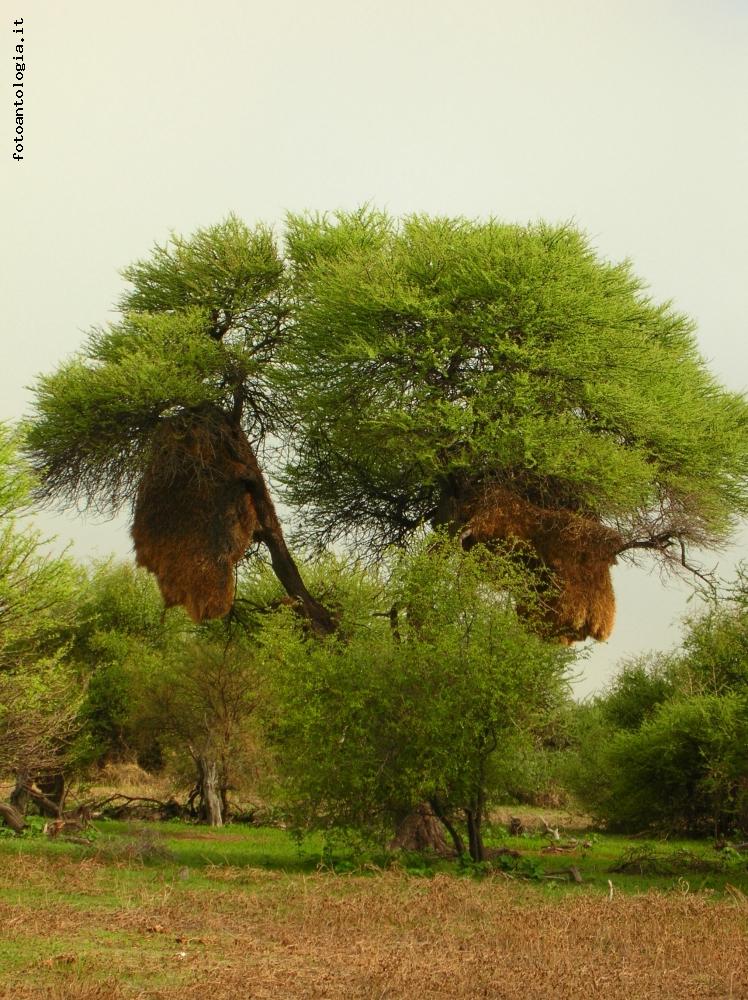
129, 804
570, 874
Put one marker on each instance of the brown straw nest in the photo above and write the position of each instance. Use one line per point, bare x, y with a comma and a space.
193, 517
577, 551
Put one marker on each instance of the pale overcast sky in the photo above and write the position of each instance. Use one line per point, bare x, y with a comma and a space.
145, 117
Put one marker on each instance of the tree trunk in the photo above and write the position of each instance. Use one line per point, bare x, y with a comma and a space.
449, 826
208, 782
19, 797
271, 534
52, 786
12, 817
475, 840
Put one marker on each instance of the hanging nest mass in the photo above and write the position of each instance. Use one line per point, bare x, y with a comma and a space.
193, 517
576, 552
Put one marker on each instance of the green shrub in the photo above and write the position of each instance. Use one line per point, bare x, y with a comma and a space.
684, 769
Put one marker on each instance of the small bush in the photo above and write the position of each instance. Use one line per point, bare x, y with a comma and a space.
684, 769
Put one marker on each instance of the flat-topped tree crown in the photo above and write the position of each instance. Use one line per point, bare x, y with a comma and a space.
166, 408
506, 381
498, 379
199, 331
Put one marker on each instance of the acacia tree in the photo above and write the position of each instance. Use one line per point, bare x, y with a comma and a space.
498, 379
168, 410
505, 381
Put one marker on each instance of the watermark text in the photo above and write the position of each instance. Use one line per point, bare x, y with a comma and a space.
18, 84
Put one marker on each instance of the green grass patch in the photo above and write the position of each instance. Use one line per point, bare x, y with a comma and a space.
630, 864
133, 858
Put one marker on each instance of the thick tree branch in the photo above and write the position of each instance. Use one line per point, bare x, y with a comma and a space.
270, 533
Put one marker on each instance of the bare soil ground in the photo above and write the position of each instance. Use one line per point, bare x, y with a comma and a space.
82, 929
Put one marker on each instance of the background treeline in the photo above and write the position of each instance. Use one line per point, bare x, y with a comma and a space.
432, 690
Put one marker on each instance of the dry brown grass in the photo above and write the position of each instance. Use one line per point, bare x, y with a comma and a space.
130, 779
249, 933
123, 777
536, 818
126, 779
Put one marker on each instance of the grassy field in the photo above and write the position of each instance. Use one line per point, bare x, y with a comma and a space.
171, 911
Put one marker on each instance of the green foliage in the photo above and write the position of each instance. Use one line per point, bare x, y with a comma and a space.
108, 708
648, 859
641, 685
163, 689
34, 829
527, 868
96, 415
342, 584
226, 268
200, 329
686, 768
38, 592
406, 362
664, 748
121, 600
525, 769
39, 695
436, 354
201, 706
328, 730
413, 704
715, 648
40, 725
123, 638
406, 367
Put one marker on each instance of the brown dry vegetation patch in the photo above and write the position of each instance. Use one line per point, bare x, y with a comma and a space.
265, 935
578, 551
535, 819
193, 518
129, 779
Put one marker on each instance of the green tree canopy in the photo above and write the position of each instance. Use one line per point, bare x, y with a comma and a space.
665, 746
39, 596
499, 379
167, 408
434, 357
416, 704
38, 591
199, 329
715, 649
